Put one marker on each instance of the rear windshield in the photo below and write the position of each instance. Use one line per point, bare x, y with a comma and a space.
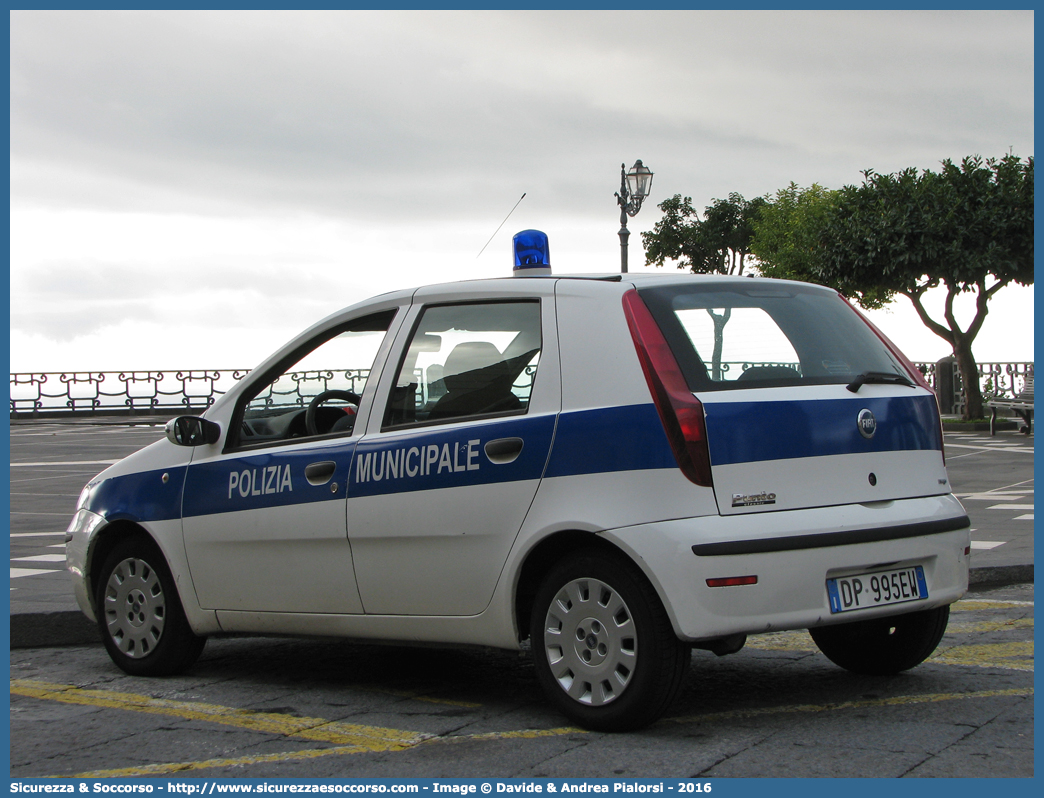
768, 334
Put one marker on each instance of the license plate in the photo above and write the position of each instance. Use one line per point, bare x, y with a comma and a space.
876, 589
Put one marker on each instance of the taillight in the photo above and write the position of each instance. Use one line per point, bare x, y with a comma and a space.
732, 581
914, 372
681, 413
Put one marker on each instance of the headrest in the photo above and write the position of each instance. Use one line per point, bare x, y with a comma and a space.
465, 358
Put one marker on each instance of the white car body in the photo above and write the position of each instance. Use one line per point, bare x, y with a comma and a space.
454, 556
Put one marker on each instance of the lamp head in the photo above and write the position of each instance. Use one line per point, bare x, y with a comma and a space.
639, 181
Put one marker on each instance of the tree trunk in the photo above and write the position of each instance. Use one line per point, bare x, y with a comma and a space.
969, 377
961, 341
719, 339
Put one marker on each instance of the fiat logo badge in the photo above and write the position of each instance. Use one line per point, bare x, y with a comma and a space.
866, 423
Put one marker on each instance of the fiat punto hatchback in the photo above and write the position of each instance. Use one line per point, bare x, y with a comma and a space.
607, 470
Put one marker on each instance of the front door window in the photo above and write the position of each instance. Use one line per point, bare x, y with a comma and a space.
318, 392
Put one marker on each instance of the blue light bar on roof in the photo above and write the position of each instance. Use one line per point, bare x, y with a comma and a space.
531, 254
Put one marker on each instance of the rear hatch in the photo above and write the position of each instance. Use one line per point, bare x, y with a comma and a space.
805, 404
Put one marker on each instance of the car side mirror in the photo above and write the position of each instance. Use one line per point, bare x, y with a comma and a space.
192, 431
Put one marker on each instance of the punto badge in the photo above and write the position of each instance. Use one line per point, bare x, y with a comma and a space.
867, 423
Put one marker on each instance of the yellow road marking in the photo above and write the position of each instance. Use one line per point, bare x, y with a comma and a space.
782, 641
989, 655
970, 605
524, 734
184, 767
365, 738
314, 753
989, 626
902, 700
985, 655
908, 700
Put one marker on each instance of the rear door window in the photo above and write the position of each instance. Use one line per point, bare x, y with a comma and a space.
467, 361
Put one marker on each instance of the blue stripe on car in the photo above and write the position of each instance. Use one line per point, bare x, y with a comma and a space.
143, 496
745, 432
601, 440
275, 479
629, 438
449, 457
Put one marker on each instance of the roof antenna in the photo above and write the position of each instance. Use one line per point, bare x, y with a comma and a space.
501, 225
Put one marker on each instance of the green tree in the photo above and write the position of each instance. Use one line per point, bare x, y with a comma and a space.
789, 240
717, 244
968, 227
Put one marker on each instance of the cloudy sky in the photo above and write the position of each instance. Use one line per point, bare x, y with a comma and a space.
190, 189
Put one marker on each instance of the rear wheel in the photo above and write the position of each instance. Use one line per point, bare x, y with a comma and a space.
139, 613
604, 649
883, 646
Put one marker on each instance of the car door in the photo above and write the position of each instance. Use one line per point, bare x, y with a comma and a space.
444, 477
264, 519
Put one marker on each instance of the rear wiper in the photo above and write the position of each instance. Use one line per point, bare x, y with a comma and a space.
881, 377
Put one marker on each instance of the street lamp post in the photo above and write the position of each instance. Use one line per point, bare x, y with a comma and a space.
634, 188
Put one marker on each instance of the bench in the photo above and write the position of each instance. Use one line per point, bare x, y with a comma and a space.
1021, 405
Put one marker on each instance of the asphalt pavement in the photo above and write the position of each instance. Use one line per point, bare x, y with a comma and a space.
52, 460
274, 708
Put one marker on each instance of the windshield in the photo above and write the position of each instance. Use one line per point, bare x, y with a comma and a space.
728, 336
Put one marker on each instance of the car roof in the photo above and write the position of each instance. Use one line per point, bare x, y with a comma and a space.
639, 279
486, 284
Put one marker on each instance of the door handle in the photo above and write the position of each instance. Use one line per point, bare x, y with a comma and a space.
503, 450
320, 473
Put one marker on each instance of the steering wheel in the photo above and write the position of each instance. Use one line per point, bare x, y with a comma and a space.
325, 396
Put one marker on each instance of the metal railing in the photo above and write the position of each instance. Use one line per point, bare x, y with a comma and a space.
997, 380
298, 388
118, 392
134, 393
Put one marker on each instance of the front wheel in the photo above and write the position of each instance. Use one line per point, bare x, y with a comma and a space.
139, 613
604, 649
883, 646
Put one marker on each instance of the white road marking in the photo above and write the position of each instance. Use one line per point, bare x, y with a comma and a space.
991, 497
18, 572
62, 515
989, 448
65, 463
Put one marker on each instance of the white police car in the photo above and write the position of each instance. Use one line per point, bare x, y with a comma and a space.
614, 468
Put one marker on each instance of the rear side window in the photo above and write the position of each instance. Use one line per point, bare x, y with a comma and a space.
466, 361
768, 334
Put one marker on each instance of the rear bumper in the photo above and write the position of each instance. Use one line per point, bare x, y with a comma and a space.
792, 554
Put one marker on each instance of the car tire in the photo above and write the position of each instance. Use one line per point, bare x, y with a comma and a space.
139, 612
883, 646
604, 649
